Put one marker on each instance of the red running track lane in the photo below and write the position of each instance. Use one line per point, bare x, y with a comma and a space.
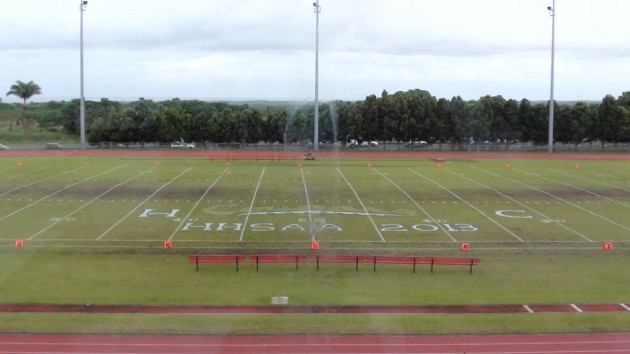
294, 155
506, 344
244, 310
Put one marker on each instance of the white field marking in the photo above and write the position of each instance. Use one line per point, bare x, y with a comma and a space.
470, 205
39, 181
60, 190
524, 206
417, 205
576, 308
308, 202
625, 306
363, 205
590, 180
251, 205
142, 202
88, 203
21, 174
529, 309
555, 197
580, 189
197, 204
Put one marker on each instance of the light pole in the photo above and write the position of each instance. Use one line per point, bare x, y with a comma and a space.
82, 7
552, 13
317, 9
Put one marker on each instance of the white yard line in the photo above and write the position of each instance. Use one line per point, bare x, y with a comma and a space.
39, 181
308, 202
470, 205
551, 219
417, 205
590, 180
88, 203
362, 205
21, 174
580, 189
60, 190
197, 204
308, 205
251, 205
142, 202
555, 197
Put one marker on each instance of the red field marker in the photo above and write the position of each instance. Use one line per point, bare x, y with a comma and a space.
370, 165
315, 245
608, 246
168, 244
577, 167
299, 165
439, 165
19, 243
20, 164
87, 164
157, 164
507, 165
465, 246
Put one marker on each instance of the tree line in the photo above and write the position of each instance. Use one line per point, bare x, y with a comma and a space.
401, 117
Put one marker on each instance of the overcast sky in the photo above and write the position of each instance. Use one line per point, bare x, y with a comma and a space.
265, 49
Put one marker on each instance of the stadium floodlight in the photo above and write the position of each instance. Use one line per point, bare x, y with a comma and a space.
552, 13
317, 10
82, 8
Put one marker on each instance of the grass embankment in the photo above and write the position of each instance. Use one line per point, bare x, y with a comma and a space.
516, 277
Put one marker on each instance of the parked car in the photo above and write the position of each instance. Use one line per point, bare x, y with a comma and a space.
4, 147
354, 142
417, 144
182, 145
53, 146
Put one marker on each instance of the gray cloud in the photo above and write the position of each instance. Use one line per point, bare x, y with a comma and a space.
262, 49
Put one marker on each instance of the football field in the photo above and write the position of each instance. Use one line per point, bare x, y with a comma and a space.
375, 205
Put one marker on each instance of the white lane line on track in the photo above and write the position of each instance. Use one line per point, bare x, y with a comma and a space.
470, 205
356, 344
555, 197
625, 306
88, 203
417, 205
576, 308
141, 203
251, 205
197, 203
529, 309
362, 205
61, 190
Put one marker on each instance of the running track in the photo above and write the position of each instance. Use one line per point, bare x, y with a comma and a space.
543, 343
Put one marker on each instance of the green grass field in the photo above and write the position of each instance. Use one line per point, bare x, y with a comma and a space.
94, 230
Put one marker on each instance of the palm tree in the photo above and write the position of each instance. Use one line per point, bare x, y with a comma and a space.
23, 90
